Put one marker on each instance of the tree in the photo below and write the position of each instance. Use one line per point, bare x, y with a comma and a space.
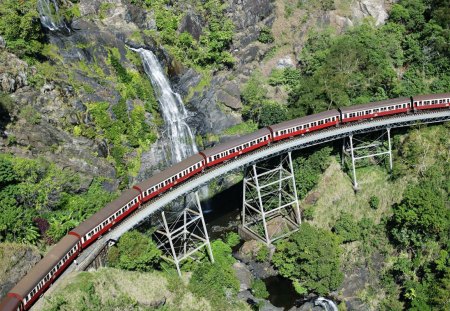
20, 27
216, 281
134, 251
420, 216
347, 228
272, 113
310, 257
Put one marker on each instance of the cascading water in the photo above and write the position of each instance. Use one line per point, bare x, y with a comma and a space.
49, 15
327, 304
182, 143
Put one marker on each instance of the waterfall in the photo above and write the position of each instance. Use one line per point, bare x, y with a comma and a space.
49, 15
182, 143
327, 304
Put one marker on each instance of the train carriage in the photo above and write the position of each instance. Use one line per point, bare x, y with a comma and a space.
375, 109
305, 124
235, 147
433, 101
40, 277
89, 230
171, 176
10, 303
45, 271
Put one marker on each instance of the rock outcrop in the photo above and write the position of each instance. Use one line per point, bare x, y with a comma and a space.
15, 261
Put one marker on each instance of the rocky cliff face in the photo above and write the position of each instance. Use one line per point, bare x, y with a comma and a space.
49, 104
15, 261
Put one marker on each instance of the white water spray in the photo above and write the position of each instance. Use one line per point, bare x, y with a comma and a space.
49, 15
182, 143
327, 304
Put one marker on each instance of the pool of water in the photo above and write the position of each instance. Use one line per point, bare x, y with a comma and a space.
281, 292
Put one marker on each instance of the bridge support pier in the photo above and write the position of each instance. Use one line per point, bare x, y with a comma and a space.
270, 208
380, 147
181, 234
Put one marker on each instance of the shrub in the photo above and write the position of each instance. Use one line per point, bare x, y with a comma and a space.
263, 253
347, 228
265, 35
374, 202
216, 281
20, 27
134, 251
259, 289
232, 239
312, 257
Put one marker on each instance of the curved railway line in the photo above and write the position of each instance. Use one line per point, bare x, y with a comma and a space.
139, 202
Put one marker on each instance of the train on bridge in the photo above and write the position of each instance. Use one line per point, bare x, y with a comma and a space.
41, 276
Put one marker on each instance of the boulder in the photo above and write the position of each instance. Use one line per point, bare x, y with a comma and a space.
245, 13
285, 62
13, 73
191, 23
244, 275
228, 100
375, 8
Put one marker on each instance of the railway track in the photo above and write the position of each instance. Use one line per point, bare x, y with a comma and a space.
266, 152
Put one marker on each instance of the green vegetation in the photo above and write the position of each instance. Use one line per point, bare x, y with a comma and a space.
265, 35
20, 27
308, 168
347, 228
263, 253
40, 201
257, 106
242, 128
216, 281
408, 55
210, 50
310, 257
135, 252
407, 233
259, 289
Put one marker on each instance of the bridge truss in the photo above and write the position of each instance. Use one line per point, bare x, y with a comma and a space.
252, 158
270, 209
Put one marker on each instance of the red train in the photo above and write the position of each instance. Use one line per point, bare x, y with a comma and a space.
41, 276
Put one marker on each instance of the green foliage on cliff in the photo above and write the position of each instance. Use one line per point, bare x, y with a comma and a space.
40, 201
211, 48
307, 169
135, 252
408, 55
20, 27
311, 257
257, 106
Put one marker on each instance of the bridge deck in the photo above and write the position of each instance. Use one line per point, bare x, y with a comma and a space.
198, 181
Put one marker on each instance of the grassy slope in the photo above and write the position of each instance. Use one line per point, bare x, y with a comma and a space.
125, 290
364, 264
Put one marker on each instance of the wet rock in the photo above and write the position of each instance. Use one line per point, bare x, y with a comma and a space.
188, 80
2, 43
244, 275
191, 23
259, 304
